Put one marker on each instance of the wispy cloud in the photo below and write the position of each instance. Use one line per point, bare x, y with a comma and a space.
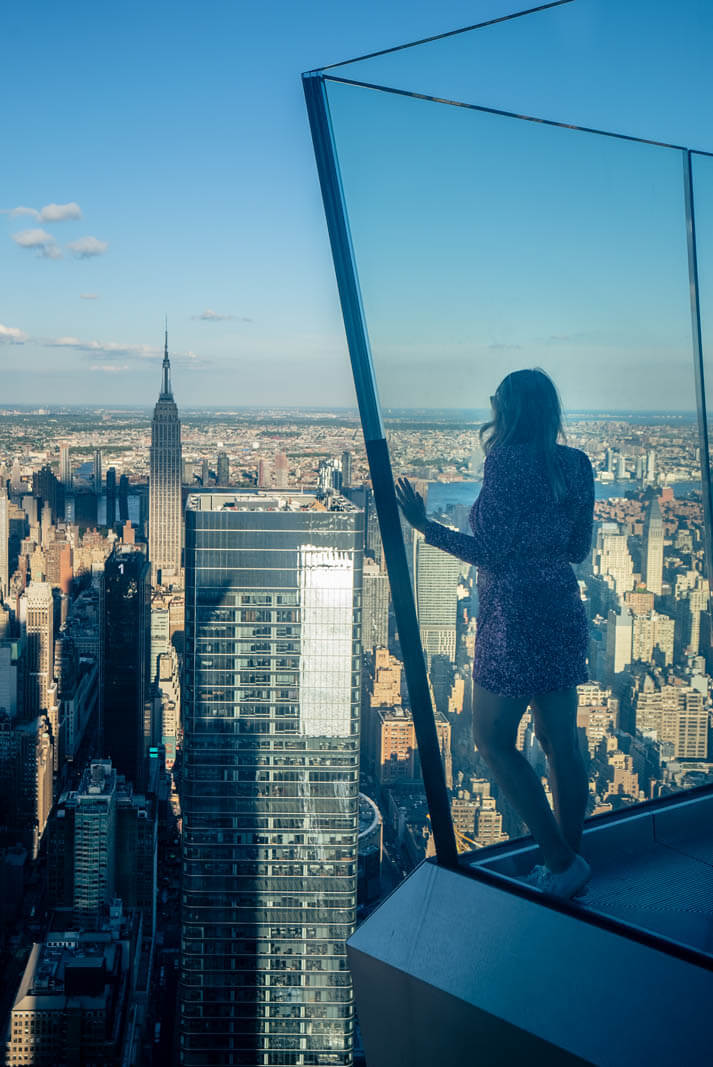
214, 316
48, 213
10, 335
113, 350
39, 241
86, 247
577, 337
110, 368
498, 347
15, 211
88, 296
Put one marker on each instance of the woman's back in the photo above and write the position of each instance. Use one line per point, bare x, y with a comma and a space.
518, 515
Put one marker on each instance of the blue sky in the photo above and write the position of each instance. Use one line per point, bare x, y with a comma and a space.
162, 154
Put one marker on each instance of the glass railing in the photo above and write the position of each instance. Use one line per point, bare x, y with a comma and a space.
473, 243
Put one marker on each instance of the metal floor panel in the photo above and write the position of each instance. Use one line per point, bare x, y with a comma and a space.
659, 879
660, 889
653, 871
698, 848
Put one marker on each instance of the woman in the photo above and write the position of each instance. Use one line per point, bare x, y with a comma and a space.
532, 519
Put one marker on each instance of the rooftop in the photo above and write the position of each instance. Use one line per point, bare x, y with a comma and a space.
268, 500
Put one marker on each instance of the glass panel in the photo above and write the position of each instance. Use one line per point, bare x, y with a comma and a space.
486, 244
550, 63
702, 184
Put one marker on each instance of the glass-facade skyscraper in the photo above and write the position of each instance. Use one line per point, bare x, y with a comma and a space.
126, 723
270, 778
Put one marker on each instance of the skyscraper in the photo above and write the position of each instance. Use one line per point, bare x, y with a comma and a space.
375, 610
619, 642
102, 844
65, 467
281, 472
346, 470
436, 577
270, 778
651, 466
653, 546
123, 499
126, 620
111, 496
165, 483
612, 559
94, 839
40, 647
4, 543
97, 470
223, 468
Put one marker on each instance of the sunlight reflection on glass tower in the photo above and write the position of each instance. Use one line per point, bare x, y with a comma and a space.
271, 778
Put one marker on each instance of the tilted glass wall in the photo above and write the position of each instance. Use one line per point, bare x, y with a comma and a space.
483, 242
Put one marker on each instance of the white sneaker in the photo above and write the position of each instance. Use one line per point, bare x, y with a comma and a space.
535, 876
568, 883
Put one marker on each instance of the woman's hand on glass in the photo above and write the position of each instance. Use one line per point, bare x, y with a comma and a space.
411, 504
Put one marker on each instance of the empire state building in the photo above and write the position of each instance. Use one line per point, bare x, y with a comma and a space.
165, 485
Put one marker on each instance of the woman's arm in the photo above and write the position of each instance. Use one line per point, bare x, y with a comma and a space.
494, 517
457, 544
580, 539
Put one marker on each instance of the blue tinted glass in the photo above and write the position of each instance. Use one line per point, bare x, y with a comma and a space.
636, 68
485, 244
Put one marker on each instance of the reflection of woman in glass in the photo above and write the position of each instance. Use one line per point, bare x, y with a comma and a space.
533, 518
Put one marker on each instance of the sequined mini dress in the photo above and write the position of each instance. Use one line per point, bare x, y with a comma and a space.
532, 629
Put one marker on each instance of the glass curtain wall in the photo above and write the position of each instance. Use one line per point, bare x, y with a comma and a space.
485, 243
271, 787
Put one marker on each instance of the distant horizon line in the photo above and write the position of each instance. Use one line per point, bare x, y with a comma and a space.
53, 408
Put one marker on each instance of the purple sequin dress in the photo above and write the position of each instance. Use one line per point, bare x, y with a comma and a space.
532, 627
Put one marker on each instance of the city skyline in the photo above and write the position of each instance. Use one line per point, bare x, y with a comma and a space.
239, 702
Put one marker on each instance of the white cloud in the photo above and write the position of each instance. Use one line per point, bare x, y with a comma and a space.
106, 348
10, 335
85, 247
48, 213
59, 212
88, 296
15, 211
32, 238
42, 242
110, 368
113, 350
214, 316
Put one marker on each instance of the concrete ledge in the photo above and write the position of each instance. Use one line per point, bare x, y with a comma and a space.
450, 970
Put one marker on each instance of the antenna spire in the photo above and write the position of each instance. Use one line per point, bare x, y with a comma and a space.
166, 389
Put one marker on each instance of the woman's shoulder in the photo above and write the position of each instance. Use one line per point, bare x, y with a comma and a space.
508, 462
574, 456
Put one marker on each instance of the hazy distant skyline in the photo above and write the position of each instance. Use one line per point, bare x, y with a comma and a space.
161, 163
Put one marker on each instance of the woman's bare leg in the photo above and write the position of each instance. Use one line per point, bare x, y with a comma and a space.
555, 717
495, 722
